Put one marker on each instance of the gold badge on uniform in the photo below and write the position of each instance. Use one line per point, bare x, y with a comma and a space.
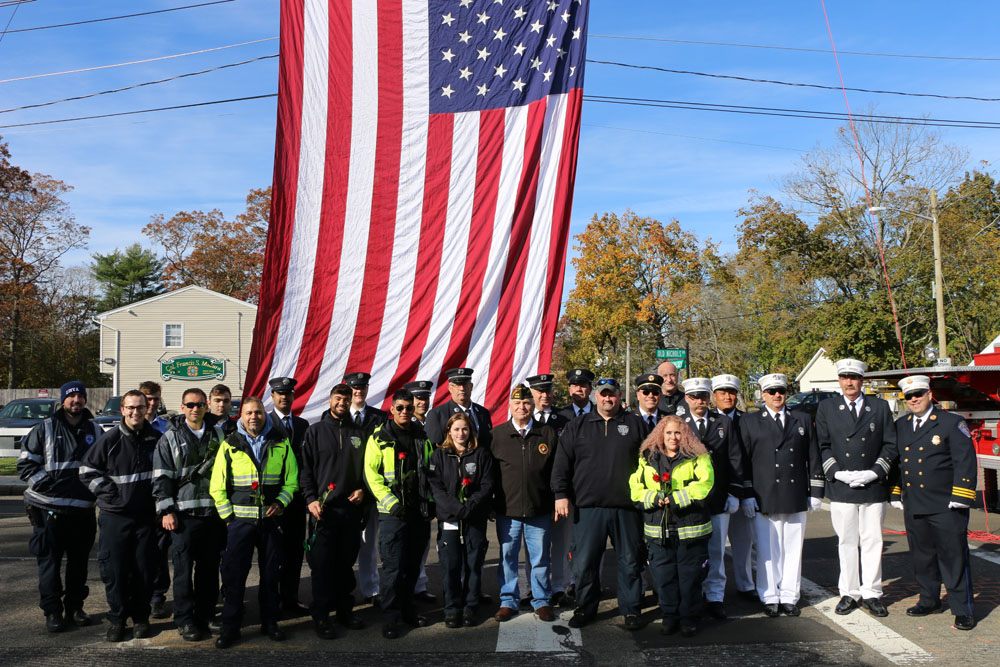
936, 440
543, 449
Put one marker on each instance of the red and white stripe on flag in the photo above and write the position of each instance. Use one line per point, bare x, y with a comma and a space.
424, 168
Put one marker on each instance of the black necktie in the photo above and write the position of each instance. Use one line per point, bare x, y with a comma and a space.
288, 424
777, 419
543, 417
649, 420
357, 418
579, 412
701, 428
854, 410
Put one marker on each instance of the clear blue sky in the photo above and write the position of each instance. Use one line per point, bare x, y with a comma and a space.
691, 165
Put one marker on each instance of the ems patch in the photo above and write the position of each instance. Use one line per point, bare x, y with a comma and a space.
623, 429
964, 428
433, 467
355, 442
680, 410
722, 434
936, 440
802, 431
470, 467
89, 439
543, 449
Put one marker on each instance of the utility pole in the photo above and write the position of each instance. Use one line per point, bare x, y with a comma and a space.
628, 366
938, 279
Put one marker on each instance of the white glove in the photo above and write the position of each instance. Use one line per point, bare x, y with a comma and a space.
957, 506
731, 504
863, 478
898, 504
749, 506
815, 504
845, 476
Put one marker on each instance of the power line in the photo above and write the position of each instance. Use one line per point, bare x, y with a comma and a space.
123, 16
794, 84
17, 6
137, 62
688, 136
794, 48
138, 85
139, 111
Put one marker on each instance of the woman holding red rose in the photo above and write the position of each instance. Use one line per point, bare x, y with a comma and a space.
670, 485
461, 476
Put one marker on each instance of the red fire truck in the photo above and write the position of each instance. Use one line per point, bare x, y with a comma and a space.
974, 393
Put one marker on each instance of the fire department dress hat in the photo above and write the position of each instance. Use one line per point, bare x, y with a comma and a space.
358, 379
542, 382
459, 375
914, 383
725, 381
579, 376
648, 380
773, 381
849, 367
282, 385
697, 386
419, 388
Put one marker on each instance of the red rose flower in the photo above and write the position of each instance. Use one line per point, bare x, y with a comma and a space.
466, 481
656, 478
331, 487
402, 456
254, 485
665, 477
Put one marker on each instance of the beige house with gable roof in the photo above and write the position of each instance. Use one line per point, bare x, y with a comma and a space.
190, 337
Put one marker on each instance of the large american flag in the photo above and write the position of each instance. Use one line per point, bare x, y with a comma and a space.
424, 169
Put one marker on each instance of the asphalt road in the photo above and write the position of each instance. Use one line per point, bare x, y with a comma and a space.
818, 637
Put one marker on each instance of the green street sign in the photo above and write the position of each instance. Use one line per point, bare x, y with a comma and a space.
672, 354
192, 368
679, 363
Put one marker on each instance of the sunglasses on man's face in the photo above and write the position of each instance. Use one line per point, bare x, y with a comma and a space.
699, 397
647, 391
779, 390
192, 405
404, 408
607, 382
917, 394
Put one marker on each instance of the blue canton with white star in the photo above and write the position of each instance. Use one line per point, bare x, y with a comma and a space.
490, 54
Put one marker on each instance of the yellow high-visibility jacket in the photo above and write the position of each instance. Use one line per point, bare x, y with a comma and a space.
235, 472
689, 484
384, 469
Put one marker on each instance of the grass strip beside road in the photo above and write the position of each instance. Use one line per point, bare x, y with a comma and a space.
8, 466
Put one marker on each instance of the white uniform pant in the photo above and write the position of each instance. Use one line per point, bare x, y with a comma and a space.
368, 555
741, 541
859, 524
779, 540
714, 586
559, 567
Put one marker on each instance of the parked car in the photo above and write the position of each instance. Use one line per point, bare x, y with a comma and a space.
808, 401
18, 417
109, 415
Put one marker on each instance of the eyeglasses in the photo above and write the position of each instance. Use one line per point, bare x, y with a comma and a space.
404, 408
647, 392
192, 405
134, 408
776, 390
916, 394
699, 396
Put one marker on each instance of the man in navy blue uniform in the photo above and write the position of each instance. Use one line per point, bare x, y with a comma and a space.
541, 396
786, 475
857, 441
460, 387
936, 488
580, 384
647, 398
596, 455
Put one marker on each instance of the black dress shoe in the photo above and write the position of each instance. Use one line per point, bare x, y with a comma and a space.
415, 621
716, 610
390, 631
79, 618
275, 633
190, 632
771, 610
214, 626
923, 610
571, 591
579, 619
55, 622
556, 600
875, 607
323, 628
846, 605
141, 630
469, 619
115, 633
669, 626
373, 600
750, 595
159, 610
486, 600
453, 621
789, 609
425, 596
632, 622
227, 639
965, 622
350, 621
689, 629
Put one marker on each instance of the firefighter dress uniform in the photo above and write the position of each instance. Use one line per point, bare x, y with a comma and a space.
245, 483
937, 485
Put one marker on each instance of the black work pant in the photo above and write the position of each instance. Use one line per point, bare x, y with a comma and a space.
462, 562
161, 569
125, 555
197, 544
293, 530
679, 567
332, 552
591, 530
69, 534
401, 544
939, 550
242, 538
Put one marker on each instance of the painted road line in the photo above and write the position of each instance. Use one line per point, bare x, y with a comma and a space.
991, 556
893, 646
525, 633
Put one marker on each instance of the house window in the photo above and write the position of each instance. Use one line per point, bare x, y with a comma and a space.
173, 335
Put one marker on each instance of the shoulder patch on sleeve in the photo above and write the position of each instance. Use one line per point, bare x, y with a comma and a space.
964, 428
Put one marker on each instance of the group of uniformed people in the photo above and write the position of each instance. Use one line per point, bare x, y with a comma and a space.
667, 482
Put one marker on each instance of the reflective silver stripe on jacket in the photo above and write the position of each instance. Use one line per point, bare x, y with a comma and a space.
130, 479
56, 502
191, 504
